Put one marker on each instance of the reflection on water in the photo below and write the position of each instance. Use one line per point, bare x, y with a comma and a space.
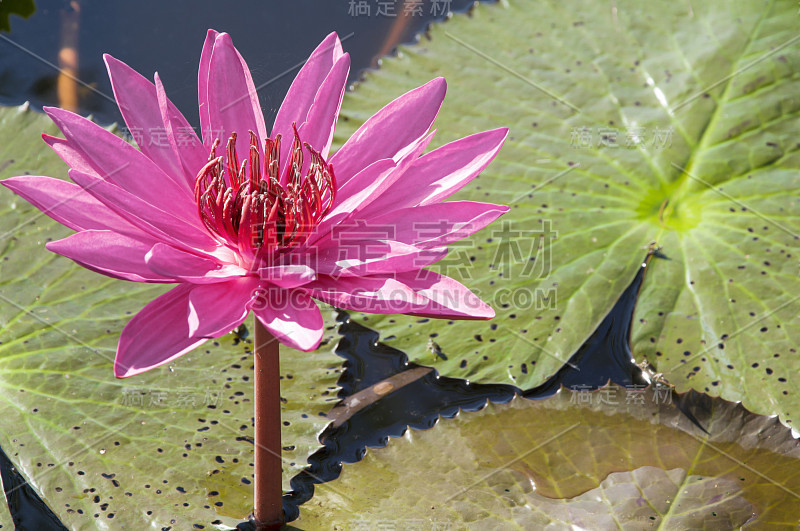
68, 58
151, 35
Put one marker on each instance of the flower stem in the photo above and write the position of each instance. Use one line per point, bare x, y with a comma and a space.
269, 492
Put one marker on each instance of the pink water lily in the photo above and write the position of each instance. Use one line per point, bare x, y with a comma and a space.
243, 221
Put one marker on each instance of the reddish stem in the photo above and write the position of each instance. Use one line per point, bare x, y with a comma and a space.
269, 492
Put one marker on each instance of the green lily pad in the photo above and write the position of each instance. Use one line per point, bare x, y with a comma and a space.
614, 458
631, 123
172, 446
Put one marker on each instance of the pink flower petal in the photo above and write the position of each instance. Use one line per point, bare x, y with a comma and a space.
291, 316
351, 257
216, 309
180, 320
118, 162
139, 104
69, 204
362, 189
304, 89
353, 192
158, 334
110, 253
69, 153
374, 177
157, 223
419, 292
164, 259
448, 298
390, 130
440, 173
318, 128
287, 276
186, 147
435, 225
380, 294
232, 99
202, 88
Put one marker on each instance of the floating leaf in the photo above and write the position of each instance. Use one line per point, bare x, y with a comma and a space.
607, 459
173, 446
631, 123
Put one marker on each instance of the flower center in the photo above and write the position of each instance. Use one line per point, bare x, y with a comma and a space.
246, 204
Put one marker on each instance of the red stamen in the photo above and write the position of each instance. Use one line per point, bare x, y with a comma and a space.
246, 205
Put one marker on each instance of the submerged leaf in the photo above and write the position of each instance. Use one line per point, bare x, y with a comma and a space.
639, 499
607, 459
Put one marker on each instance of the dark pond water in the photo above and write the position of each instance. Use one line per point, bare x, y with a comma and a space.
167, 36
274, 38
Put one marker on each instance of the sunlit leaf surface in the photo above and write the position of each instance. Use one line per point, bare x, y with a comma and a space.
632, 122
